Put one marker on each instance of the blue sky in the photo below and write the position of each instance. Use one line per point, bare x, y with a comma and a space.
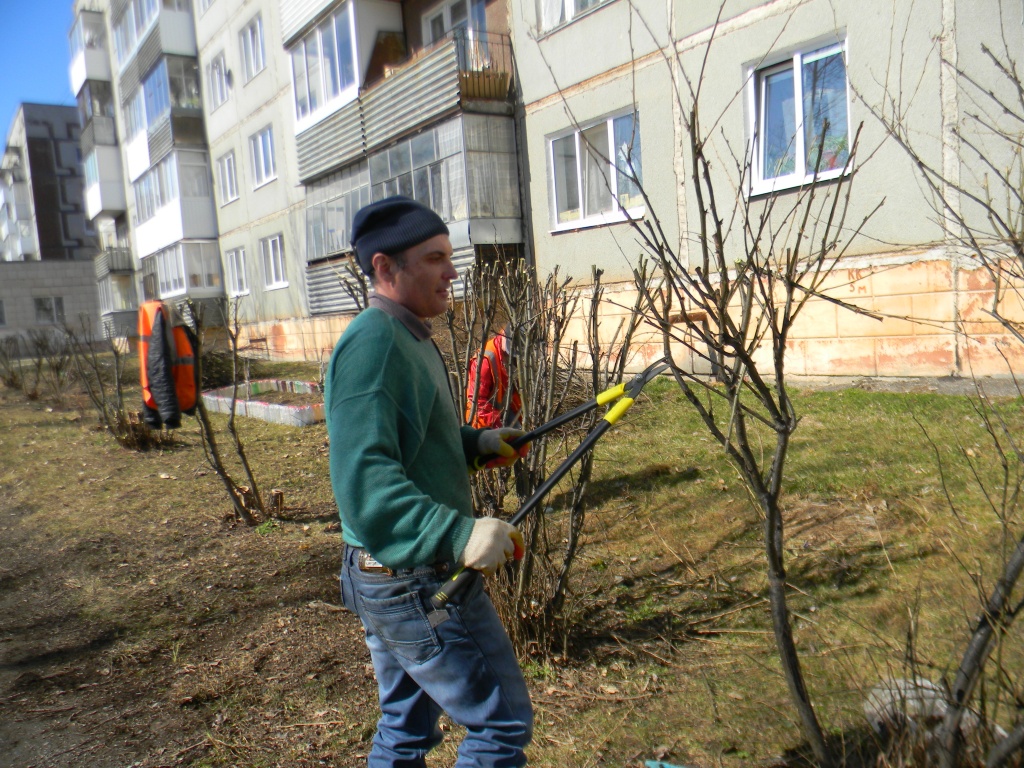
34, 56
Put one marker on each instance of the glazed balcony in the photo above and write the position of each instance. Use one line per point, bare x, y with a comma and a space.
89, 57
104, 182
467, 71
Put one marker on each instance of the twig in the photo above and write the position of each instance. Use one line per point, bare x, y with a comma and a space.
181, 752
310, 725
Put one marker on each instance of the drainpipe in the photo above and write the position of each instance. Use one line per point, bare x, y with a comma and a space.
951, 162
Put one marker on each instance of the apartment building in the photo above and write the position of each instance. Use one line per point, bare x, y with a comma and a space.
413, 98
250, 126
46, 242
607, 87
149, 192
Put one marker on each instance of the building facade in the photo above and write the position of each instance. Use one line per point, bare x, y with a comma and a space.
46, 241
779, 82
260, 202
414, 98
230, 144
149, 191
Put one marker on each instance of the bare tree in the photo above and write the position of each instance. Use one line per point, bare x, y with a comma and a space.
730, 299
246, 500
982, 212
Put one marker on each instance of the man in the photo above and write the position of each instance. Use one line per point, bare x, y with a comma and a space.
399, 457
487, 386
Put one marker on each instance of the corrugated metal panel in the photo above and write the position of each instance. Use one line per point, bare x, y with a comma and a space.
296, 14
101, 264
117, 9
149, 51
87, 139
160, 141
412, 97
463, 261
331, 143
324, 290
129, 81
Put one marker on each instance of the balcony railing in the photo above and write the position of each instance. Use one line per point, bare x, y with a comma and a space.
113, 260
463, 68
485, 64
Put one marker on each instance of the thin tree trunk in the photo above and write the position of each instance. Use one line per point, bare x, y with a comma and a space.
973, 662
1005, 749
784, 633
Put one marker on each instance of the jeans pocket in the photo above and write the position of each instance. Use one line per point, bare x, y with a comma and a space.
402, 624
346, 593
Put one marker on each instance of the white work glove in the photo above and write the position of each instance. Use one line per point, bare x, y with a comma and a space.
492, 543
495, 442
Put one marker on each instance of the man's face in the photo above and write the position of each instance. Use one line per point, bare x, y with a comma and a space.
422, 285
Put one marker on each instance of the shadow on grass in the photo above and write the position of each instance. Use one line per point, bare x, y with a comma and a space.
651, 478
855, 747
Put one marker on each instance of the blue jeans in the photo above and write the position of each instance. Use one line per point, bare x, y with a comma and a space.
464, 666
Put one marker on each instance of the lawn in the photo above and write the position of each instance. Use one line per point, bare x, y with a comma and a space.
140, 625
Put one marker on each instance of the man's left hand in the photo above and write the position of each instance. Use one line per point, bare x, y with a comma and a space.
495, 442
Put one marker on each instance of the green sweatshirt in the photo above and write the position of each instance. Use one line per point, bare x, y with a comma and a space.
399, 453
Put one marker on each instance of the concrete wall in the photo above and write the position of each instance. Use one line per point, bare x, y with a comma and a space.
22, 282
903, 264
277, 207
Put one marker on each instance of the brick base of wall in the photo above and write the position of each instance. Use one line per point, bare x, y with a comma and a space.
929, 317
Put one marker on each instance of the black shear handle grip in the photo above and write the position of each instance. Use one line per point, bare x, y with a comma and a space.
462, 577
482, 461
458, 582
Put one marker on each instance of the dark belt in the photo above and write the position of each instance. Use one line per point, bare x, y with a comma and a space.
368, 564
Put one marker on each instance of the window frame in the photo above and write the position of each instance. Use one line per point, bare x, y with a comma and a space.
570, 9
614, 215
757, 76
309, 108
237, 272
253, 56
262, 172
218, 81
56, 310
444, 10
227, 178
276, 263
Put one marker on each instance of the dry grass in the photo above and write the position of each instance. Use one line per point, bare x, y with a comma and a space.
130, 598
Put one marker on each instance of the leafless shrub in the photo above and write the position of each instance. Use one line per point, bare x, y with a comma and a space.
551, 376
51, 354
980, 210
246, 500
11, 373
100, 367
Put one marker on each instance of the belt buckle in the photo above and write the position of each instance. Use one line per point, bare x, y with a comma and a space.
369, 564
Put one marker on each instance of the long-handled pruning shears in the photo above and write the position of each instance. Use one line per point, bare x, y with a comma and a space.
626, 393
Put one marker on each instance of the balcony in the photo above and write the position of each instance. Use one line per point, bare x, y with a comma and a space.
104, 191
178, 220
171, 32
113, 261
21, 241
468, 71
89, 57
98, 131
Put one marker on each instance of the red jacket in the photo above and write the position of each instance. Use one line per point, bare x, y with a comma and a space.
493, 383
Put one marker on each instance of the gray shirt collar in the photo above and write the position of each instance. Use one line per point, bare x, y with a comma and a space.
419, 328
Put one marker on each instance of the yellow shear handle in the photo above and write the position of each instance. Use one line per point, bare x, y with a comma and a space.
616, 411
610, 394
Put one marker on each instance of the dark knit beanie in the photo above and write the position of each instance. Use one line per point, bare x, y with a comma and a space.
391, 226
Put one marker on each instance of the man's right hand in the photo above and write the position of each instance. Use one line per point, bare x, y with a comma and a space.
491, 544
